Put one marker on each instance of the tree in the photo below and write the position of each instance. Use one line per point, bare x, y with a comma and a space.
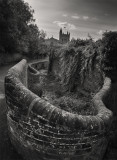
33, 40
79, 42
42, 35
109, 54
18, 33
14, 23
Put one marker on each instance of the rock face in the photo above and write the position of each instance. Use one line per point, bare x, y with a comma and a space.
41, 131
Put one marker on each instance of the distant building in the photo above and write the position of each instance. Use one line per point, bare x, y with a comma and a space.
64, 38
52, 41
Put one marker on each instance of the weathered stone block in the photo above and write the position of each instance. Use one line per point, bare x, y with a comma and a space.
40, 130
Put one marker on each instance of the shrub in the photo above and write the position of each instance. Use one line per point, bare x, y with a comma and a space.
91, 60
37, 89
76, 106
71, 64
109, 54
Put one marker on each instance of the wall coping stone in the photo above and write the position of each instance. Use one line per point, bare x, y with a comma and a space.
53, 114
35, 125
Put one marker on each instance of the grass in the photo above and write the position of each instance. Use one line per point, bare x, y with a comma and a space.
55, 93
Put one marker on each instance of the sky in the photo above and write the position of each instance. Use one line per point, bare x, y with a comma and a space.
79, 17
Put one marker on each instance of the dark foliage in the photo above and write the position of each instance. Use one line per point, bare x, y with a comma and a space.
109, 54
18, 33
79, 63
91, 60
79, 42
71, 65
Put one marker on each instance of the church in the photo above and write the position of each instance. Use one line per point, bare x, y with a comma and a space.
64, 38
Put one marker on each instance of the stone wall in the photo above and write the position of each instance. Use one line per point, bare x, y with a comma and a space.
92, 78
39, 130
36, 73
93, 81
33, 76
40, 65
56, 69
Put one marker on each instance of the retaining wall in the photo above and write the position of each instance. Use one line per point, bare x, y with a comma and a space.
93, 80
41, 131
40, 65
36, 73
55, 67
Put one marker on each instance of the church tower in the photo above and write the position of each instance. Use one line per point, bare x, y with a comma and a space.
64, 38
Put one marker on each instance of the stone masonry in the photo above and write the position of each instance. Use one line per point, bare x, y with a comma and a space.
41, 131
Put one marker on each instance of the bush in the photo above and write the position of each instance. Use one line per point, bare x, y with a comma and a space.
91, 61
37, 89
18, 33
109, 54
76, 106
71, 64
77, 64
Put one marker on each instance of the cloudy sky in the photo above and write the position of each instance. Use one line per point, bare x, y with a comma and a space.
80, 17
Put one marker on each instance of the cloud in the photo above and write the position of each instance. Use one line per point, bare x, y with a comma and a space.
106, 14
67, 25
94, 19
75, 17
65, 15
101, 32
85, 17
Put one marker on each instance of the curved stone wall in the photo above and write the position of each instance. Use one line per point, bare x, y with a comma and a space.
40, 65
36, 72
40, 130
